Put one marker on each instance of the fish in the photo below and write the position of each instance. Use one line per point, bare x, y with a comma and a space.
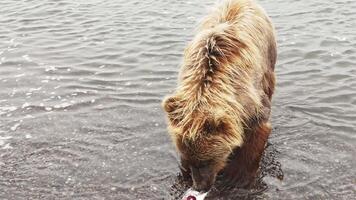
191, 194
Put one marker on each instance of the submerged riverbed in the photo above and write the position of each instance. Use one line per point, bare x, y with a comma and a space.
81, 84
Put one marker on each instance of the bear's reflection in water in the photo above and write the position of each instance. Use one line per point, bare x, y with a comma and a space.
269, 167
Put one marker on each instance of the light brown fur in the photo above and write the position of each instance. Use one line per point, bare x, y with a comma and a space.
225, 87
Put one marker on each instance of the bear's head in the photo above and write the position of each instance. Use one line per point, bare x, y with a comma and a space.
204, 137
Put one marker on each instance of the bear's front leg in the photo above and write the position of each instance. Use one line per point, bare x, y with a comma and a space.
244, 162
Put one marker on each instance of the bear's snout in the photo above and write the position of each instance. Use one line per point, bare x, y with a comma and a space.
203, 186
203, 178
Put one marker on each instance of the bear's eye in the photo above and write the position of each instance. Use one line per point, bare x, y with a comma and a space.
205, 163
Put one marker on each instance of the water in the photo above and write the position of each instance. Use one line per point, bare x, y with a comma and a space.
81, 84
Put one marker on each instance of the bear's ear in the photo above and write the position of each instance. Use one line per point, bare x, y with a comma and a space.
172, 106
219, 124
216, 125
169, 104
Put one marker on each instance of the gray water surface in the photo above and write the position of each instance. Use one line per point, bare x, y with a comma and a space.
81, 84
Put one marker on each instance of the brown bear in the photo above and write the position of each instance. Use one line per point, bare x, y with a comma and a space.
219, 114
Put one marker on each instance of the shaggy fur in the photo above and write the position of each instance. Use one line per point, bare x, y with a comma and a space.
223, 97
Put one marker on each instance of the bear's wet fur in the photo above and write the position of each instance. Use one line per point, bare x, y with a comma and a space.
218, 116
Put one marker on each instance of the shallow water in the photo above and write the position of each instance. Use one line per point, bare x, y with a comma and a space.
81, 84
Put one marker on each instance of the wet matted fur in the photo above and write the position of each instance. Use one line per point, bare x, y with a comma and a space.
218, 116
